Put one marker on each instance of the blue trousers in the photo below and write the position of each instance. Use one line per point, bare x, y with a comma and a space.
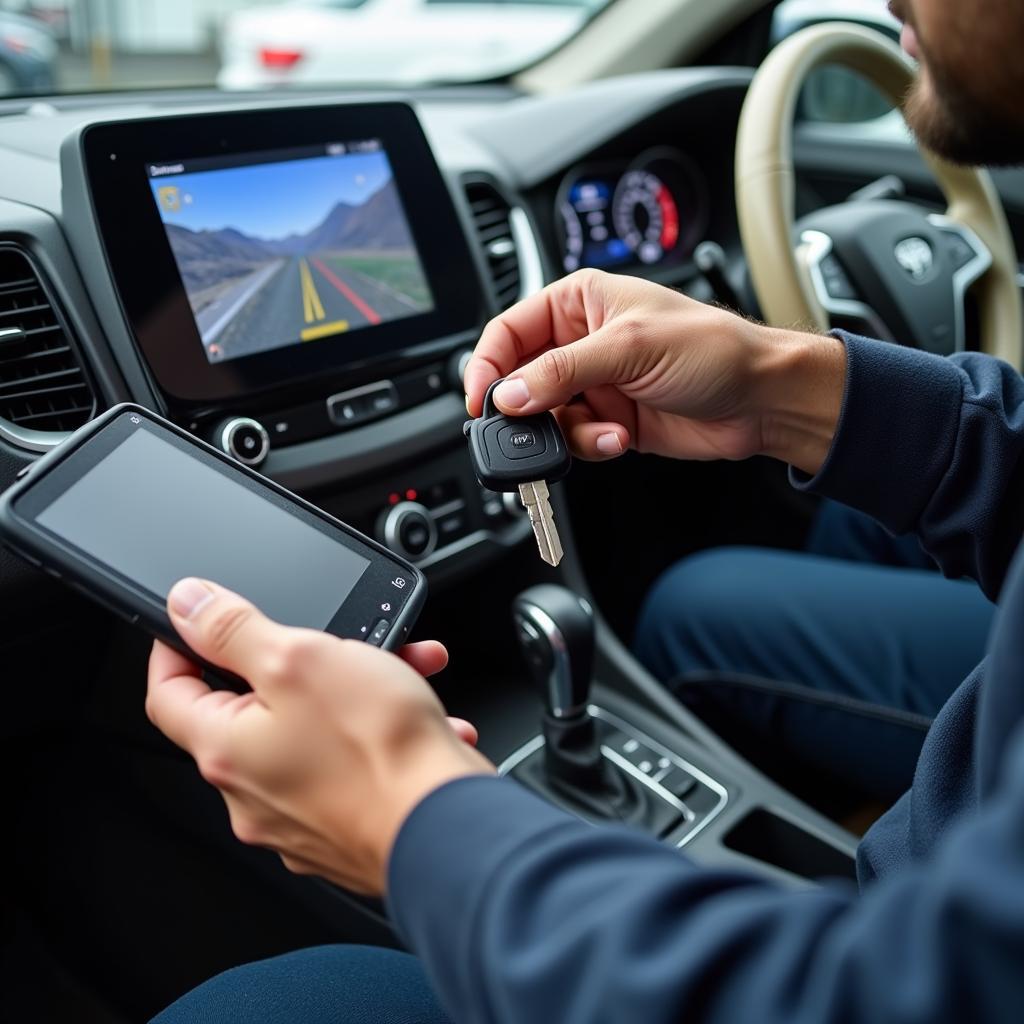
324, 985
866, 638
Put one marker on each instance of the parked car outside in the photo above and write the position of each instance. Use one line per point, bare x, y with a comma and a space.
313, 42
27, 55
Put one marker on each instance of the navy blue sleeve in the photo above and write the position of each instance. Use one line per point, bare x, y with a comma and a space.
932, 446
523, 914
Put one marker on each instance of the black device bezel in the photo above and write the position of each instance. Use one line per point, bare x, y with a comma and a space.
149, 285
53, 474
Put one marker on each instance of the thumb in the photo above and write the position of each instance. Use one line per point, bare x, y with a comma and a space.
222, 627
553, 378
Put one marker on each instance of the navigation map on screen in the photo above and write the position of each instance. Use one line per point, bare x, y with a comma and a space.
280, 248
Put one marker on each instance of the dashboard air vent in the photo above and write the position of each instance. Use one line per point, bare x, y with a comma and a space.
492, 217
42, 386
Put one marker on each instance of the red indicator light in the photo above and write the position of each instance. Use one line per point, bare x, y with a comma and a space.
411, 494
394, 499
670, 219
279, 59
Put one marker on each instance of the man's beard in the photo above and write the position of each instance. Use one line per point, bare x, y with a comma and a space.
961, 128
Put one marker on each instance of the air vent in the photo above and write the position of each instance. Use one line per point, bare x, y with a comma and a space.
42, 386
492, 217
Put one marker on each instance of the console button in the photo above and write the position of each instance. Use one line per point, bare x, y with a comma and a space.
451, 526
679, 783
348, 408
440, 493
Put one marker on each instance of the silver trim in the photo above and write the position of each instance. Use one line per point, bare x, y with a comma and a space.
31, 440
471, 540
967, 274
814, 247
226, 438
532, 746
531, 266
393, 522
440, 511
559, 682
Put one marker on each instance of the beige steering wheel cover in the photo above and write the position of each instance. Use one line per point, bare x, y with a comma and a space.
765, 185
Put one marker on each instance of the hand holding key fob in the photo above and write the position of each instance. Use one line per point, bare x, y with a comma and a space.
524, 454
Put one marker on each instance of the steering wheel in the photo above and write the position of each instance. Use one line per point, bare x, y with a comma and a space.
888, 264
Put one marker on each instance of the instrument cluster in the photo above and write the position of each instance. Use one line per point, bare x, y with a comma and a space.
613, 215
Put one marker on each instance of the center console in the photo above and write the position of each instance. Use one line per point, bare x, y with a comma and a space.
296, 285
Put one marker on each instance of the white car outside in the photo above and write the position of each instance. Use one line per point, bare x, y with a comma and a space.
316, 42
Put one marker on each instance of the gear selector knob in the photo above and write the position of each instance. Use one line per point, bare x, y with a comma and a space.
556, 633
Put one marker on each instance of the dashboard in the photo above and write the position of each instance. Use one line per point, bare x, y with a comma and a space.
299, 279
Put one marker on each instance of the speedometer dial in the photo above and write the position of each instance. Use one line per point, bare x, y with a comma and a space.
613, 216
645, 215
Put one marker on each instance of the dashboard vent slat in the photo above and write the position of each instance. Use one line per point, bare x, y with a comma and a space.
492, 220
42, 383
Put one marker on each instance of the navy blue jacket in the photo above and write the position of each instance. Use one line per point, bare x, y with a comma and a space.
521, 913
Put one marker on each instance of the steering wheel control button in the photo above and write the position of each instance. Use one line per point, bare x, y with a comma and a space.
961, 252
837, 284
409, 530
379, 633
521, 442
244, 439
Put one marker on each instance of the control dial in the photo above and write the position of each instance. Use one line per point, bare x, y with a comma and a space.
244, 439
409, 530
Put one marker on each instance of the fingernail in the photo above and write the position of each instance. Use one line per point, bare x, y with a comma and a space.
609, 444
469, 412
188, 596
513, 394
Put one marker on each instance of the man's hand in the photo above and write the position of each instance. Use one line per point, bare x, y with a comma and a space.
661, 373
333, 748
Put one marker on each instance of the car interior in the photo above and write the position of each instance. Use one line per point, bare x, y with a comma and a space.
673, 140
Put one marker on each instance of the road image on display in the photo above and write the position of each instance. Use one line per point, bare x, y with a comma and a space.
290, 247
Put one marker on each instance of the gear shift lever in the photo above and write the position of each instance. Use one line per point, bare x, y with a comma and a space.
556, 632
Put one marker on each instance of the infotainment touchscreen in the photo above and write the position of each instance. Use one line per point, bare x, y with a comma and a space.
285, 252
289, 246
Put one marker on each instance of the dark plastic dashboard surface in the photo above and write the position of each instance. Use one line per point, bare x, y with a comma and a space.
111, 159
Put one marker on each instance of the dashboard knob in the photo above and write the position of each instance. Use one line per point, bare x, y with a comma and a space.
408, 529
457, 367
244, 439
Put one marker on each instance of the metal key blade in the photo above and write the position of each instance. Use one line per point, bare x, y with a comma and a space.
534, 496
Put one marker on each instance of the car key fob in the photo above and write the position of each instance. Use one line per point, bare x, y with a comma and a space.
524, 454
508, 451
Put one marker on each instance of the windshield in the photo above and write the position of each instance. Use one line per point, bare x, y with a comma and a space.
61, 46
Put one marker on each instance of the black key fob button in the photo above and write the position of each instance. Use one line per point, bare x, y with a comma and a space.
520, 442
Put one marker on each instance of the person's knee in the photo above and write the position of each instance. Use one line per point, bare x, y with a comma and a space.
690, 605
